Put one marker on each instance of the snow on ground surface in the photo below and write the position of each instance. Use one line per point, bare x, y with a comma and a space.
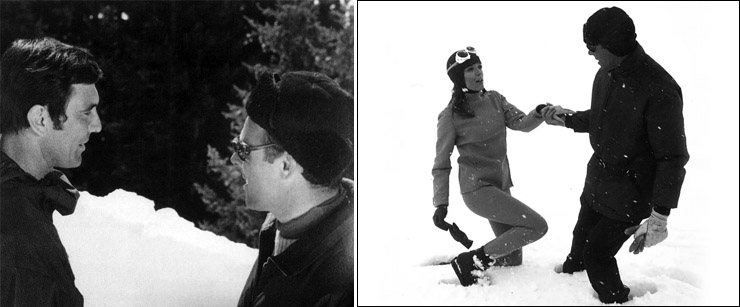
534, 53
124, 253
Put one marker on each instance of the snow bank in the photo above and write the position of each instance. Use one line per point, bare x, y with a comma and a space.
124, 253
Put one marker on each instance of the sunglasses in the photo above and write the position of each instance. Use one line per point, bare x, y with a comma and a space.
242, 149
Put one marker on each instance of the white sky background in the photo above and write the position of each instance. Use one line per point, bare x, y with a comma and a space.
534, 53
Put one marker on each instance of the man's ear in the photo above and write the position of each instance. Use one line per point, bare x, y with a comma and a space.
288, 164
39, 120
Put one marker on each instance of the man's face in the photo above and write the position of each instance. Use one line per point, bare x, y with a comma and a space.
474, 77
63, 148
261, 189
606, 59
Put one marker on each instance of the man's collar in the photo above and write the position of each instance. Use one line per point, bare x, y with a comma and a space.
295, 227
55, 186
630, 62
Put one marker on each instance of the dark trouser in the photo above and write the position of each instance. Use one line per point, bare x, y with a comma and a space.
513, 222
596, 240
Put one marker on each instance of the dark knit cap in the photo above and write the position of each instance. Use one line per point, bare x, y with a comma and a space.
310, 116
613, 29
456, 74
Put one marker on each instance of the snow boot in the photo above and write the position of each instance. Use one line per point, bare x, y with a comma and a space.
570, 266
622, 296
468, 266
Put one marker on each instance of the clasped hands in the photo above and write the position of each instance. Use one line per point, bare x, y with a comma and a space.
553, 115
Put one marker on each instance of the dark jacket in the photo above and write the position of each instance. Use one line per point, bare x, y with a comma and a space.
315, 270
481, 142
35, 269
636, 130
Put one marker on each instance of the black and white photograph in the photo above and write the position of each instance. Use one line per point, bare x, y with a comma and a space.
547, 153
177, 153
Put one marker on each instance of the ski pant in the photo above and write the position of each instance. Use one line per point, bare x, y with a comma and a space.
514, 223
596, 240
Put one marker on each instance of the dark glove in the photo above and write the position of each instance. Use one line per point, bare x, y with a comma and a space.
540, 107
460, 236
439, 217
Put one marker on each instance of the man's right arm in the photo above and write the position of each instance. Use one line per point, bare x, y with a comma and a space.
578, 121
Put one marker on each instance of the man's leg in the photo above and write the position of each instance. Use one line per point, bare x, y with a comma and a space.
603, 243
587, 219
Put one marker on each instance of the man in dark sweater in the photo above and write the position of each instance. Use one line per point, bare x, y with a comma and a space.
636, 130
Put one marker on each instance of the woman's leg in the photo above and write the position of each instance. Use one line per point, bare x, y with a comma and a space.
513, 259
496, 205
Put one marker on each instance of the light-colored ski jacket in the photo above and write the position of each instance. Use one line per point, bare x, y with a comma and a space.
481, 143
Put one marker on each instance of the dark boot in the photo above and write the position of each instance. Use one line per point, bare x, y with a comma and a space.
571, 266
620, 297
469, 265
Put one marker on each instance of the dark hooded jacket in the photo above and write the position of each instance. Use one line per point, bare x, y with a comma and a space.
315, 270
636, 129
35, 269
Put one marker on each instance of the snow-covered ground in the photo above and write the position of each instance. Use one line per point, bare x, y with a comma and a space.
534, 53
125, 254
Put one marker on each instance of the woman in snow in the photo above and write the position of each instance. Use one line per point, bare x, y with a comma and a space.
475, 121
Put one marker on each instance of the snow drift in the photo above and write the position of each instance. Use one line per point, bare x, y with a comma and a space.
124, 253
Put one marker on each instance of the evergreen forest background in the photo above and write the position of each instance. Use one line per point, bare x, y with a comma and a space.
176, 77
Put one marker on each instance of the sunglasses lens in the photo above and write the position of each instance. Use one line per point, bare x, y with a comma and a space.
239, 150
470, 49
462, 53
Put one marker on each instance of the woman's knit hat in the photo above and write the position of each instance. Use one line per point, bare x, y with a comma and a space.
613, 29
455, 70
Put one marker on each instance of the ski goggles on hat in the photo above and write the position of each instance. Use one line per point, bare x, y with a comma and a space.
462, 56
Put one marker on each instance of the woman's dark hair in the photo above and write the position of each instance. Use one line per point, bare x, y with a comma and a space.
459, 104
41, 72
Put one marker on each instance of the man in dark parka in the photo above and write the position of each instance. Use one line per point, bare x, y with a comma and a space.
636, 130
48, 106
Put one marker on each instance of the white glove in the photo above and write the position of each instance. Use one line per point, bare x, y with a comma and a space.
651, 232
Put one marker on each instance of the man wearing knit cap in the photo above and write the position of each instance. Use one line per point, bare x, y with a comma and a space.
636, 130
293, 149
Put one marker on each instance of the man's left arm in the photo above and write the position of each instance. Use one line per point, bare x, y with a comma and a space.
665, 130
